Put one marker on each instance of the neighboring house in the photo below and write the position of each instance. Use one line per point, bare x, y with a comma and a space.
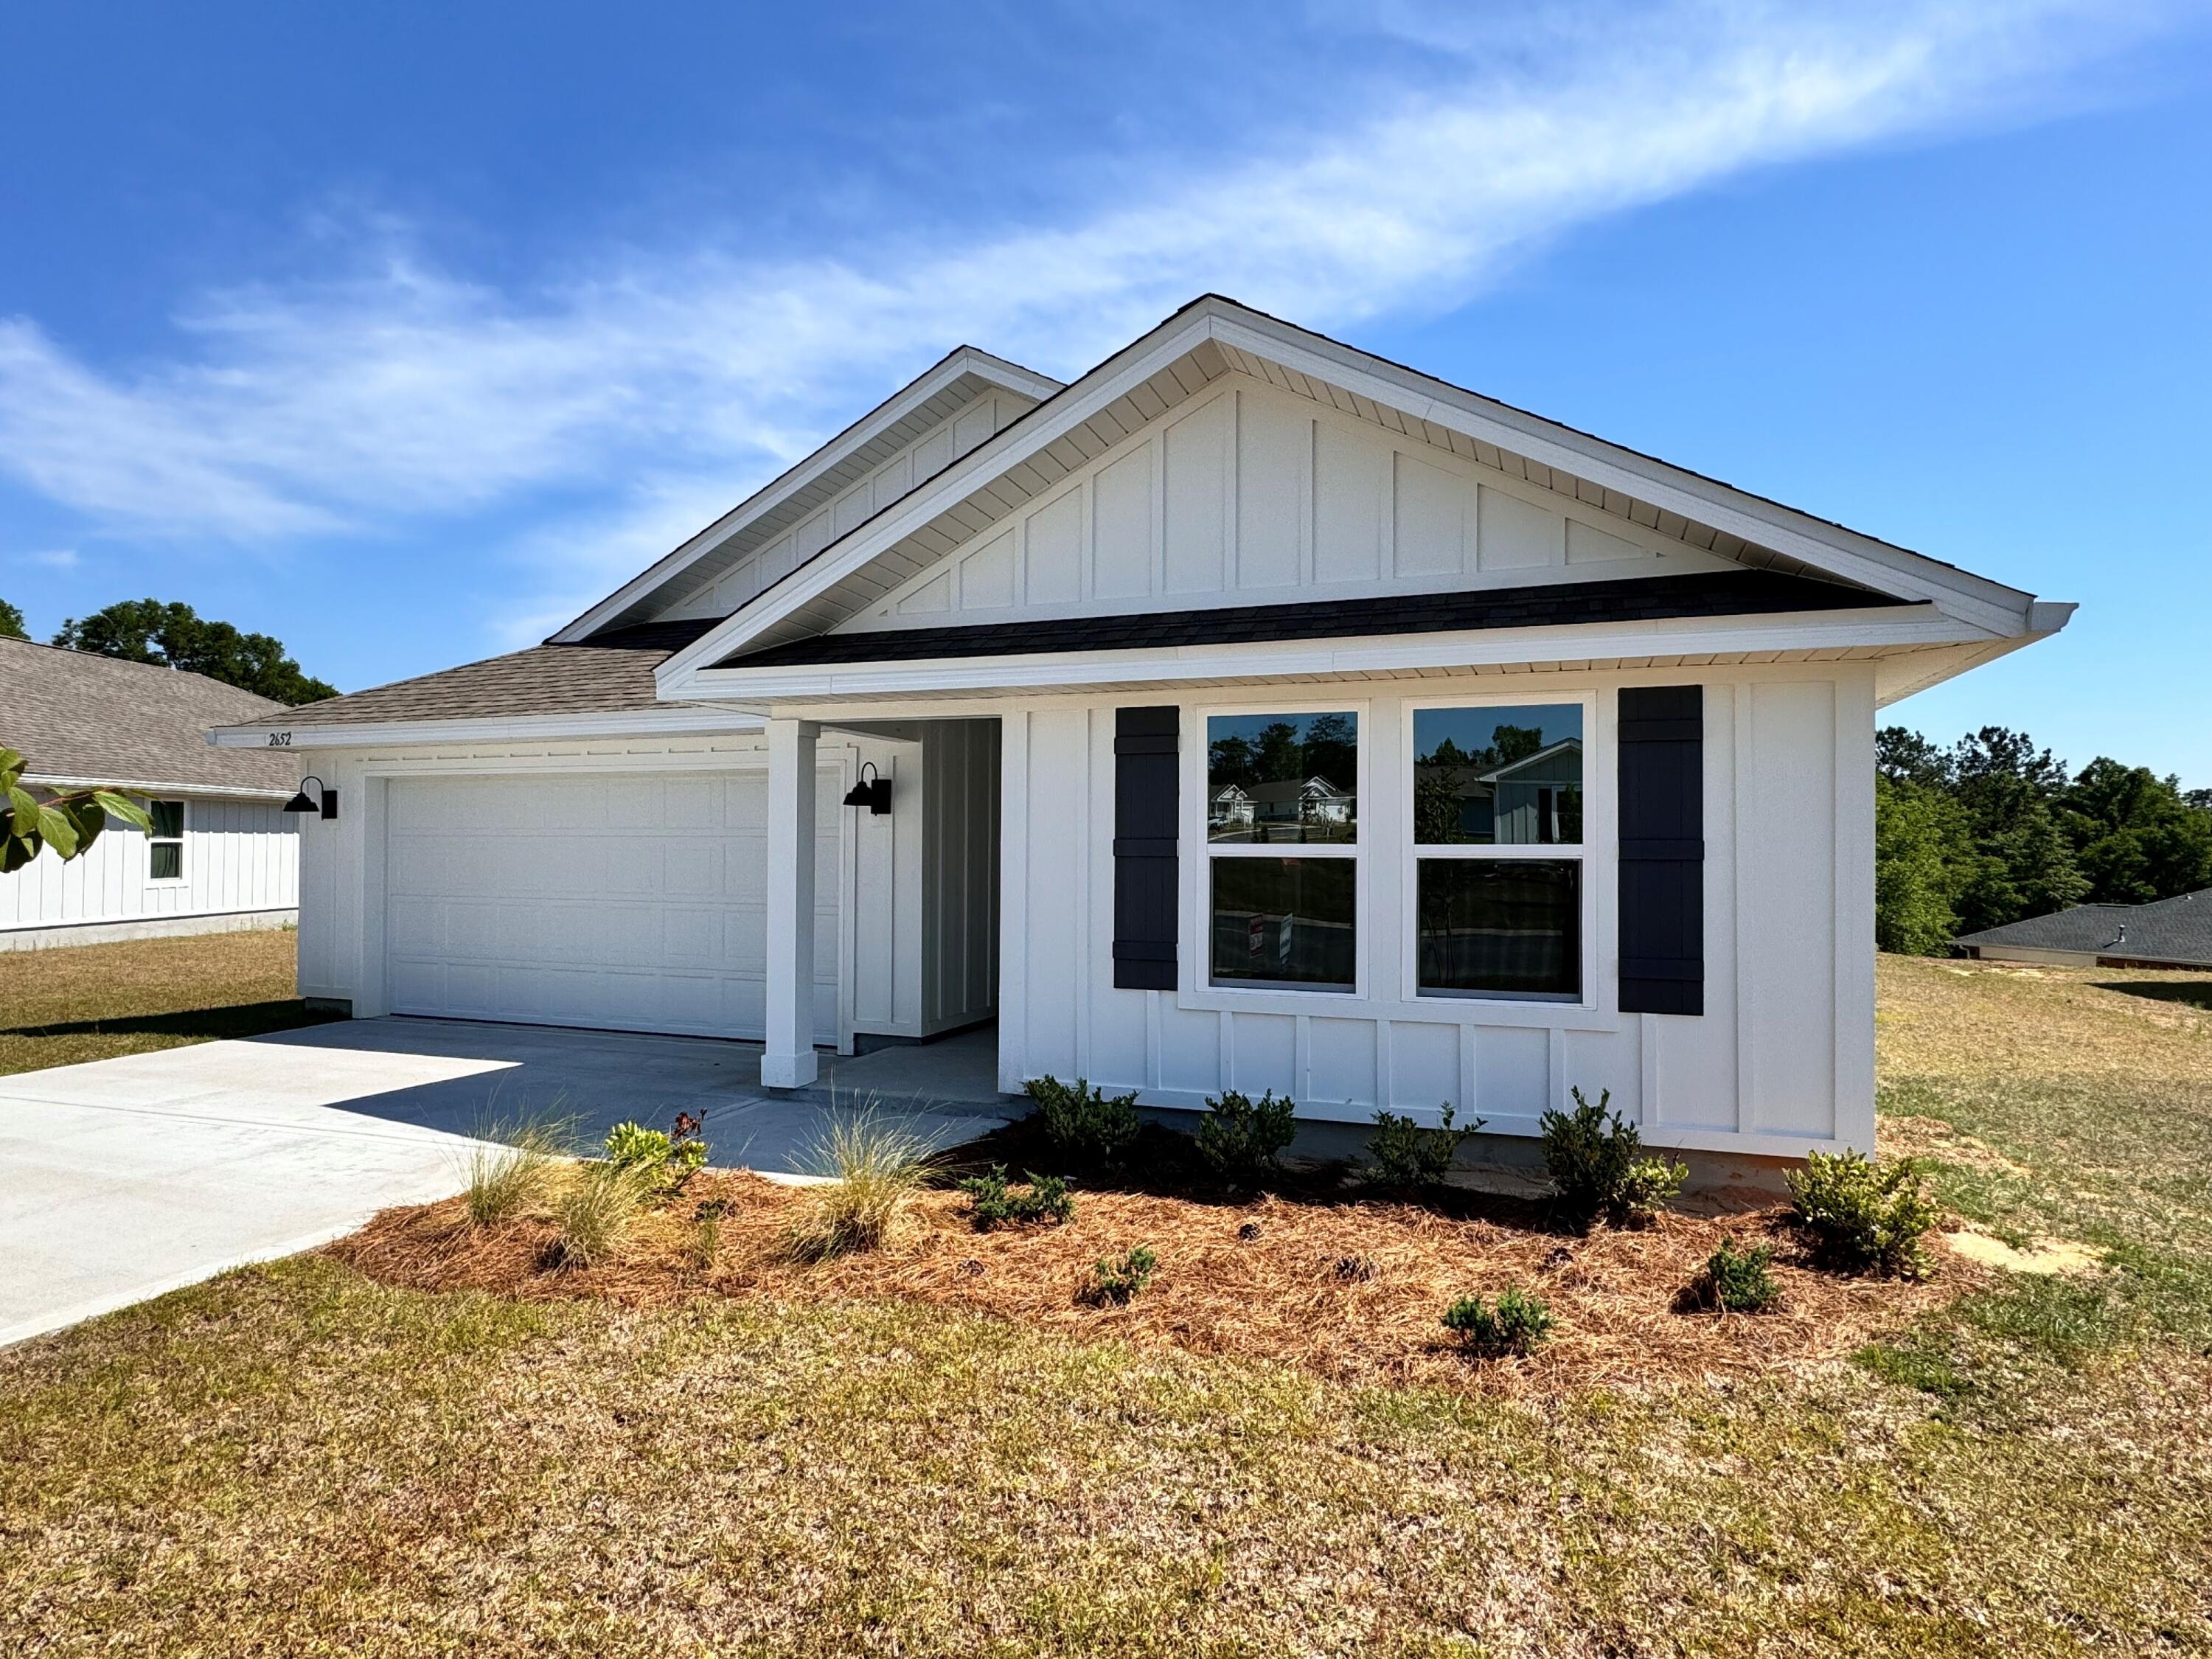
221, 854
2175, 932
1023, 604
1278, 808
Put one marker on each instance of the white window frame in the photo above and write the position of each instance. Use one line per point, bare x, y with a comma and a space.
177, 841
1199, 988
1597, 808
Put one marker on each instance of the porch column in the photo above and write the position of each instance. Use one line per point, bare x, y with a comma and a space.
788, 1060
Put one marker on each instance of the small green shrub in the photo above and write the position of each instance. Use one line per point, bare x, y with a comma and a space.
1090, 1128
1863, 1216
994, 1202
1517, 1325
1116, 1279
1652, 1184
1240, 1138
874, 1166
1595, 1159
1401, 1153
669, 1160
595, 1210
1737, 1281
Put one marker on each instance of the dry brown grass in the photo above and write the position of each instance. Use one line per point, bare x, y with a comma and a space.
1290, 1295
94, 1001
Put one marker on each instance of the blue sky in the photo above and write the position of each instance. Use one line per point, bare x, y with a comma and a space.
406, 331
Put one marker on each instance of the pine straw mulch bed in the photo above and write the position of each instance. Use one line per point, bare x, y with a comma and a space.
1352, 1288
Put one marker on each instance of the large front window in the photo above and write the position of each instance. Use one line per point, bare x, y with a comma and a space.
1496, 814
1282, 842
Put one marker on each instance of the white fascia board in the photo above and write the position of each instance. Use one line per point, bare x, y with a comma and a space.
1901, 627
968, 360
153, 787
1825, 546
676, 719
1130, 367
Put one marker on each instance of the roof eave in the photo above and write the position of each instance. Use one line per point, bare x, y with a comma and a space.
962, 360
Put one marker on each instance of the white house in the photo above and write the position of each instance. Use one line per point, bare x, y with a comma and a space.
1031, 609
221, 853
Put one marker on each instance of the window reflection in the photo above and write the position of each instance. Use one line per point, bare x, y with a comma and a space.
1498, 776
1282, 778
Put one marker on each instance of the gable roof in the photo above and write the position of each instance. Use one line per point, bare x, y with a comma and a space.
78, 718
1213, 336
2176, 930
947, 385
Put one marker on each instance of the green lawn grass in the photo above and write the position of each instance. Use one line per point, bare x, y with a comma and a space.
295, 1460
93, 1001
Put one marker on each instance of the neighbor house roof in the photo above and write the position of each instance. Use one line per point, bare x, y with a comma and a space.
78, 718
2175, 929
608, 672
1644, 599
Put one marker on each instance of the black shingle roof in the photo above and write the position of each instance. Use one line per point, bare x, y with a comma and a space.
2175, 929
1641, 598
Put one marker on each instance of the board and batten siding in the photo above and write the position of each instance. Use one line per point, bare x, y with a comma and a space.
1781, 1061
777, 556
241, 858
1247, 492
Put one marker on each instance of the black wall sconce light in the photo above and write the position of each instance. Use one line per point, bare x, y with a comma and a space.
302, 802
870, 791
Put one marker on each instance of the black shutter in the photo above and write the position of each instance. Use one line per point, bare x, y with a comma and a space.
1661, 735
1145, 892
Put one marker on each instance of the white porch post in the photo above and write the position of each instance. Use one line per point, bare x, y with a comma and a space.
788, 1060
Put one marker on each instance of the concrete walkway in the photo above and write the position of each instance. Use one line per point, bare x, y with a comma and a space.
123, 1179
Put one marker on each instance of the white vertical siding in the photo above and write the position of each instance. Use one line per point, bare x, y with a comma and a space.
240, 856
1246, 490
1781, 1061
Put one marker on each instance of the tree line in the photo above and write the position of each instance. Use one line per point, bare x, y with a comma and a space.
1994, 828
176, 637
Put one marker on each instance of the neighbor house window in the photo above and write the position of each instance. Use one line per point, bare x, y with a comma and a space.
1498, 848
1282, 843
164, 839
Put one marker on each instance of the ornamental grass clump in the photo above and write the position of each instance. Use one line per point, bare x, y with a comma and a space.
993, 1201
1089, 1128
1595, 1160
1518, 1324
1863, 1216
595, 1211
873, 1166
1241, 1139
506, 1169
1401, 1153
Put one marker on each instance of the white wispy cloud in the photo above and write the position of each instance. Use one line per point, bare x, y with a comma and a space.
670, 378
53, 558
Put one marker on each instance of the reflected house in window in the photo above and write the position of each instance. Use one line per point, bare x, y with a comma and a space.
1529, 801
1290, 804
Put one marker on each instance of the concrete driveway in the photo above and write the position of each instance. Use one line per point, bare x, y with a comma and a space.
122, 1179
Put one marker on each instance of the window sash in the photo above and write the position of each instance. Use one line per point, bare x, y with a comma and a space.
165, 836
1415, 851
1353, 851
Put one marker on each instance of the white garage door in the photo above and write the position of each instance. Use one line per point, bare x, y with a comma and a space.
634, 902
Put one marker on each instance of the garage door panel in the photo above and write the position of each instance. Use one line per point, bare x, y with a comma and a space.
636, 903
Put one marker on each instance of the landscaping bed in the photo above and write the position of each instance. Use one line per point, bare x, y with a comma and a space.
1349, 1287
